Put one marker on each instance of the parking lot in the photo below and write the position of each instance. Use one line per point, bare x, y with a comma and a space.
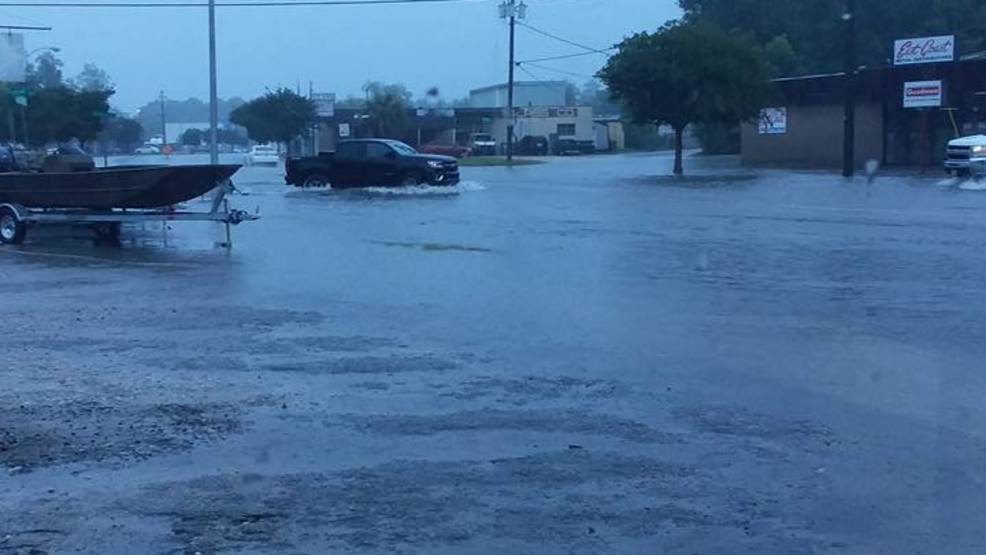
573, 357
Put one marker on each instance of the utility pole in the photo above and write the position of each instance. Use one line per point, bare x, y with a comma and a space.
849, 125
164, 127
213, 89
512, 10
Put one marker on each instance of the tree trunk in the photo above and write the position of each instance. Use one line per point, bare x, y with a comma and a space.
679, 133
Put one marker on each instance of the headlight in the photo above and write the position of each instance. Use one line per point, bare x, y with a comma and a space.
979, 149
435, 164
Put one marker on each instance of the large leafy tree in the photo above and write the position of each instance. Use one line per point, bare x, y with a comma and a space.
121, 132
387, 106
278, 116
92, 78
58, 114
686, 73
46, 72
193, 137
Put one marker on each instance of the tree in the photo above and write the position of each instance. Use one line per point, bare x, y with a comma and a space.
278, 116
388, 107
230, 137
46, 73
686, 73
595, 95
194, 137
91, 78
57, 114
122, 133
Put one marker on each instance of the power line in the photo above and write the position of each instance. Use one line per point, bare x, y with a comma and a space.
540, 81
565, 57
562, 72
261, 4
556, 37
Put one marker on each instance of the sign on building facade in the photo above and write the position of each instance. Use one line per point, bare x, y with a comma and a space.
924, 50
923, 94
773, 121
325, 104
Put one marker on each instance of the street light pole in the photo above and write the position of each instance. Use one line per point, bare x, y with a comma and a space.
213, 91
849, 125
164, 126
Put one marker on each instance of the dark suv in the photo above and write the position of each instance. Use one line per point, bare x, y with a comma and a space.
371, 162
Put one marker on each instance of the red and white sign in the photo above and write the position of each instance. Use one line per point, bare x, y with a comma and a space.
923, 94
924, 50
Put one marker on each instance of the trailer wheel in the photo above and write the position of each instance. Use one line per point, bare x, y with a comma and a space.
12, 229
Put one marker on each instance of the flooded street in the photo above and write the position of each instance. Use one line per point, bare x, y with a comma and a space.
574, 357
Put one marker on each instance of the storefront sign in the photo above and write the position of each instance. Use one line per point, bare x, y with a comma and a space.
325, 104
773, 121
923, 94
924, 50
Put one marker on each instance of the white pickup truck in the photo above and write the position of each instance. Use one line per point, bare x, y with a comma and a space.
966, 156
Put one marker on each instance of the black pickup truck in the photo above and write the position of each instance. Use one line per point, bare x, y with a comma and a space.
371, 162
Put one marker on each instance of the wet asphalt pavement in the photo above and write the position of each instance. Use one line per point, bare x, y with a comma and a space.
576, 357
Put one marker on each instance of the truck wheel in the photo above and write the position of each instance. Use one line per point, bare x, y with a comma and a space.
963, 173
107, 231
12, 230
315, 180
413, 179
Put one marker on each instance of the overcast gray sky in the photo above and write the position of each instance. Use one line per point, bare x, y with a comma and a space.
456, 47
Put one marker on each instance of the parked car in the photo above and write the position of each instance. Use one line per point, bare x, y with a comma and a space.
147, 149
533, 146
455, 151
567, 147
966, 155
482, 144
263, 155
368, 162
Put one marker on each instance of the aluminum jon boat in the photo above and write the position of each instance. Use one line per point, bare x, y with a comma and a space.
136, 187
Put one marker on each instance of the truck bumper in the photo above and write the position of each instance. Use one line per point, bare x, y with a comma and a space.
975, 165
446, 178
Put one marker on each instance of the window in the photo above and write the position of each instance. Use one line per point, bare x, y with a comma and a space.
377, 151
402, 148
352, 151
566, 129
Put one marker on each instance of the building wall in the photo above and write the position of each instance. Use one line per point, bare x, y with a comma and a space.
546, 126
525, 94
814, 137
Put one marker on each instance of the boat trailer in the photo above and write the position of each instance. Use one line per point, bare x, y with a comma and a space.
15, 219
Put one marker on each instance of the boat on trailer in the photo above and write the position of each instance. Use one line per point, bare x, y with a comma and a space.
140, 187
105, 198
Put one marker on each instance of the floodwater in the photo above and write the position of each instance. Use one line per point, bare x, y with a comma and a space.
575, 357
